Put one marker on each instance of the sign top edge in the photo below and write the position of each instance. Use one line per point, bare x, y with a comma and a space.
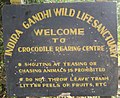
114, 2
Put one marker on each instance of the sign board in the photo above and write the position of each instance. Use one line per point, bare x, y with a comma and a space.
52, 49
